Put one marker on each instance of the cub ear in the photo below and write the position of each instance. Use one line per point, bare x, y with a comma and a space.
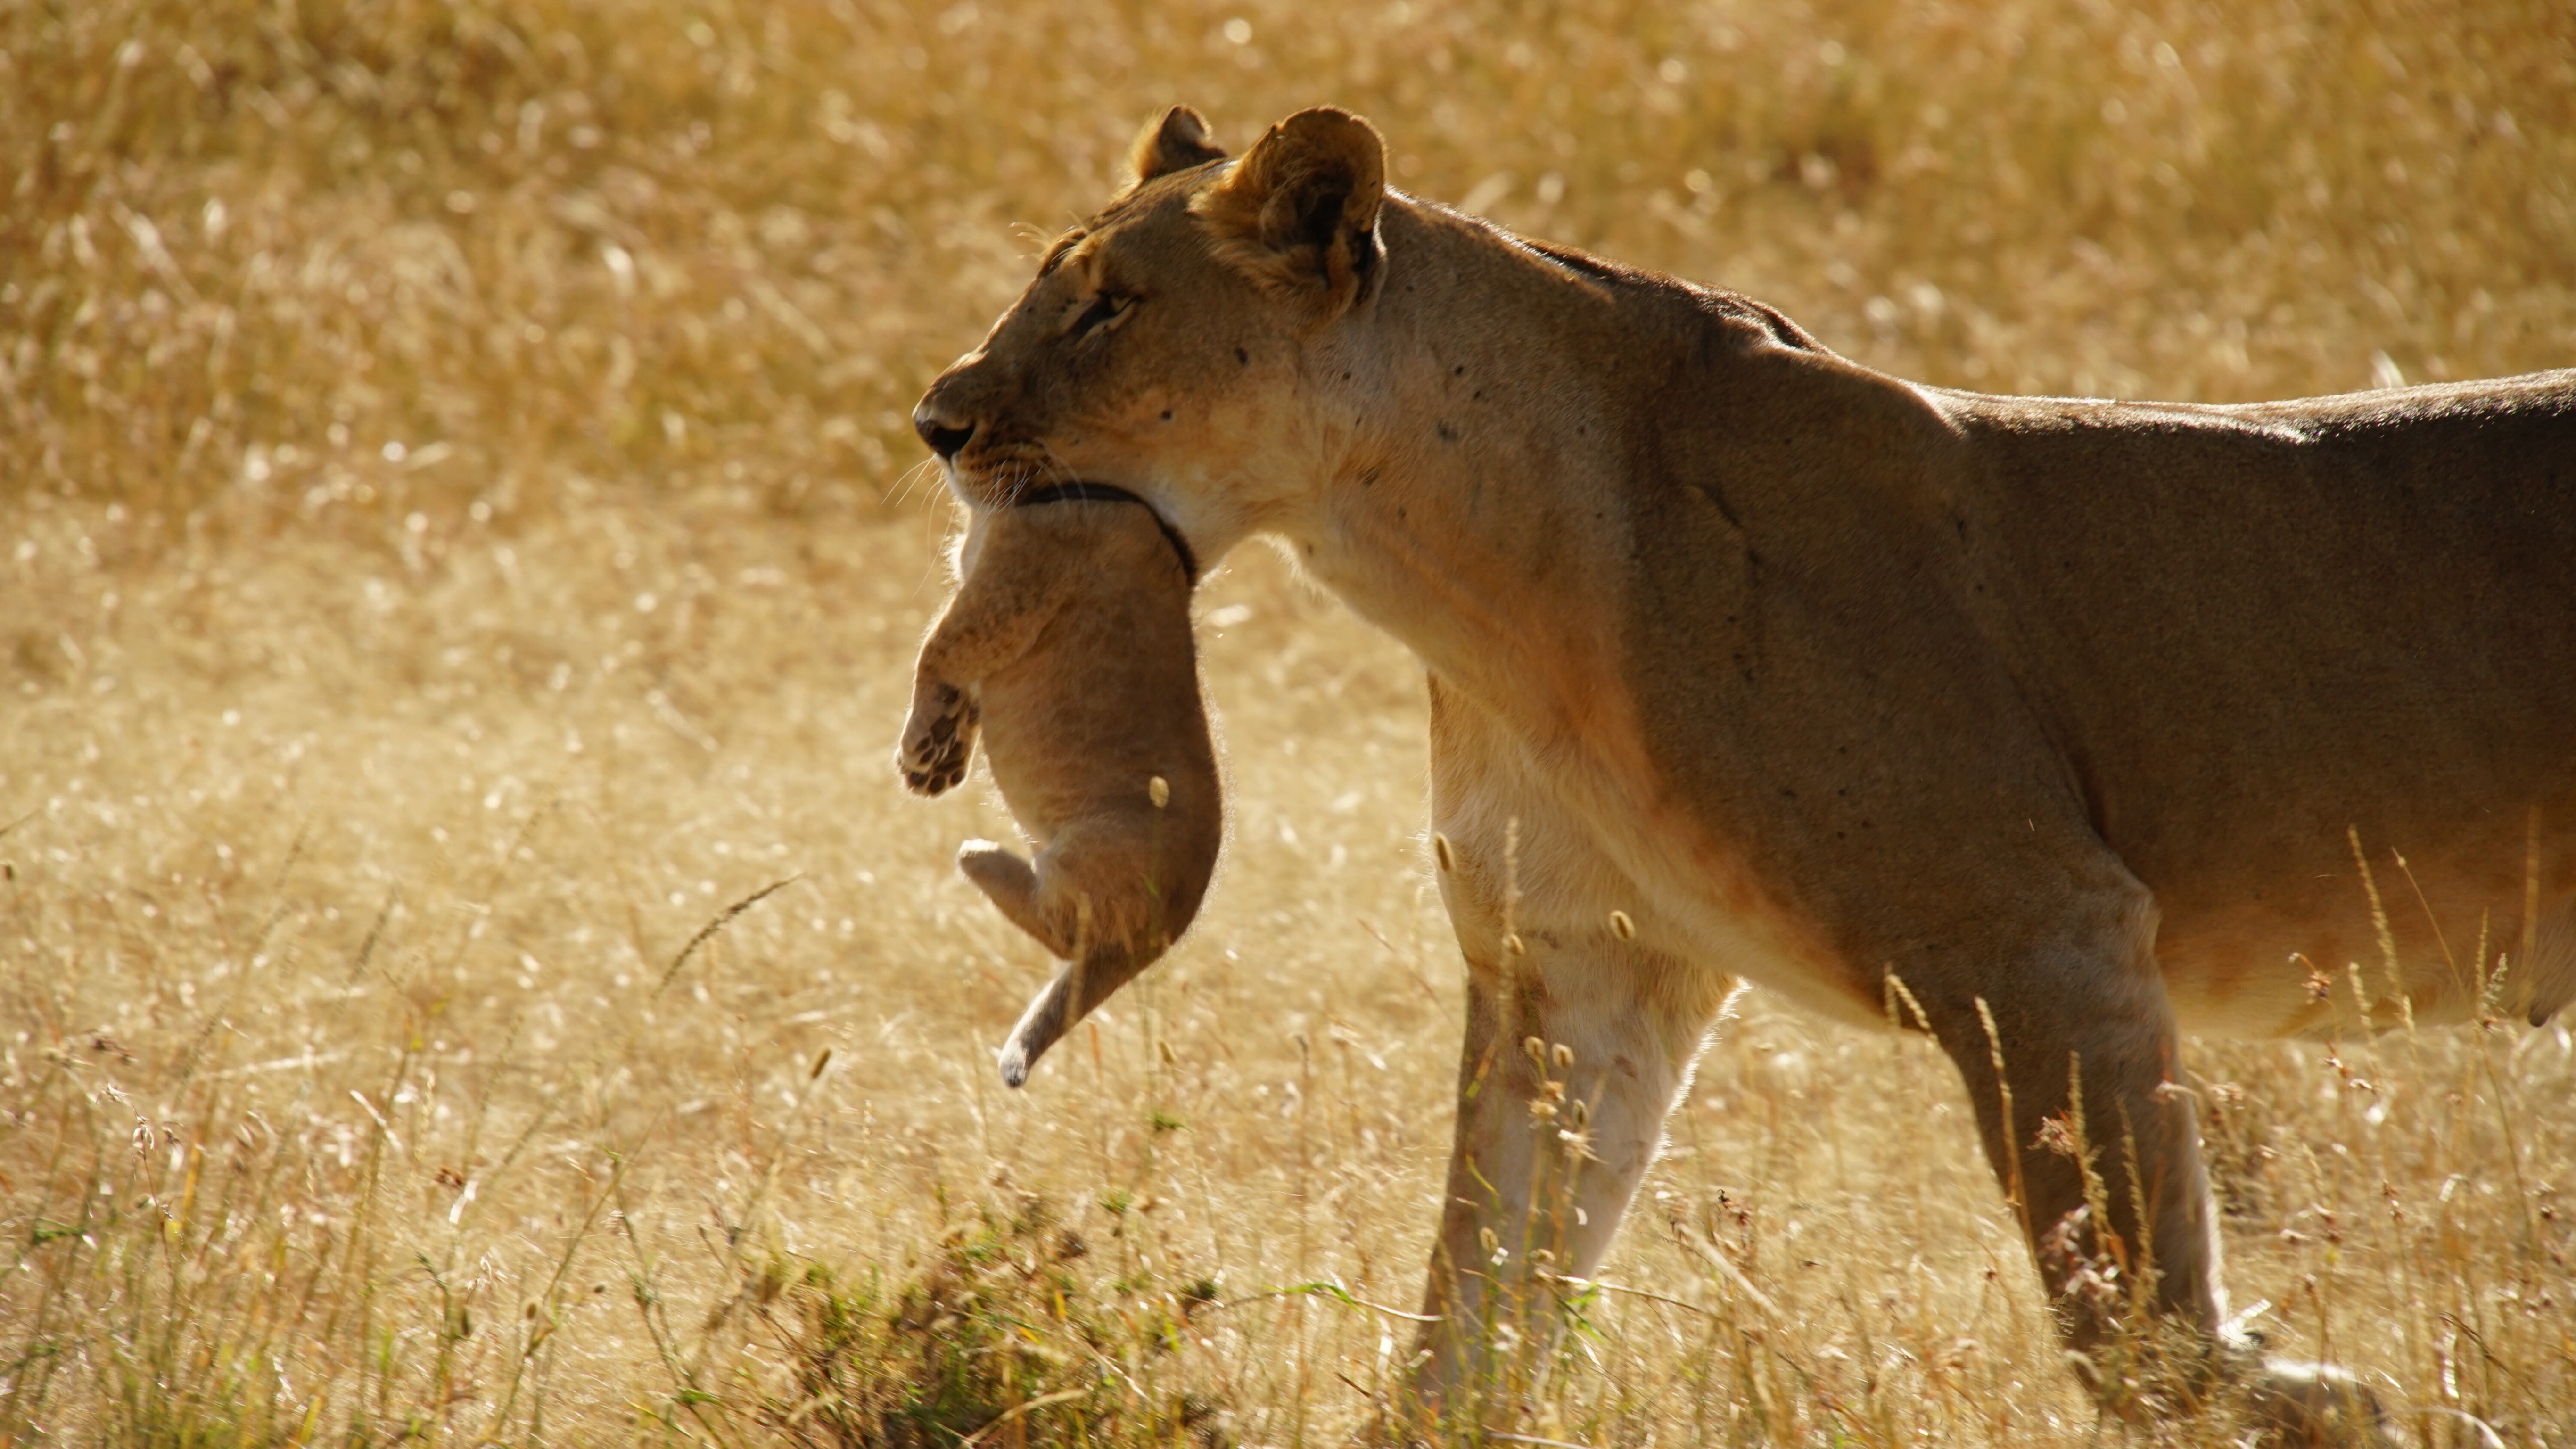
1177, 142
1299, 212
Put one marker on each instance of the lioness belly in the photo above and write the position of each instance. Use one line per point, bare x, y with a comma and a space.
2431, 930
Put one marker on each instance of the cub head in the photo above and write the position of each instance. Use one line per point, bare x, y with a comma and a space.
1180, 343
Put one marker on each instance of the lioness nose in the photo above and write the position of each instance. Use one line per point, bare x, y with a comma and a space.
943, 439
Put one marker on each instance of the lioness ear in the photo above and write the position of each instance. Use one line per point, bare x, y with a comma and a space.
1299, 211
1177, 142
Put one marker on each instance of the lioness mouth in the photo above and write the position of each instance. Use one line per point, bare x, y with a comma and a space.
1110, 493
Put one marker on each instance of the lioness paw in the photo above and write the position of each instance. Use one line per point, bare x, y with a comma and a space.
938, 740
2299, 1405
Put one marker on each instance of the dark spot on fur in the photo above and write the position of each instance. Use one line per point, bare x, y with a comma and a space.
1459, 371
1167, 415
1448, 434
1243, 357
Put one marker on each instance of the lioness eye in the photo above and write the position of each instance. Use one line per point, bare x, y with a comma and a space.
1103, 309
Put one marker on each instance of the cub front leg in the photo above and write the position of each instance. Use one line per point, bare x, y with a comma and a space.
1011, 590
938, 736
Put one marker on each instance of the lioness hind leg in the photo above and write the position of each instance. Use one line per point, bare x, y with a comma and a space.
2100, 1151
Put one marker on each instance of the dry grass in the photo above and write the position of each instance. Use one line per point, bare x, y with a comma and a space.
454, 551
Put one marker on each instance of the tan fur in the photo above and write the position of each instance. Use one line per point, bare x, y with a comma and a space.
1176, 143
2063, 715
1068, 649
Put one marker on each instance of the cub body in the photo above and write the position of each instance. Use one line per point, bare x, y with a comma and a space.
1068, 649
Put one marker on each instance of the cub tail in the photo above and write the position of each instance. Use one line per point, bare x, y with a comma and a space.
1080, 986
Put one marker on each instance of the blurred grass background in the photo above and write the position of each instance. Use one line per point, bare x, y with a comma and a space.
247, 246
457, 545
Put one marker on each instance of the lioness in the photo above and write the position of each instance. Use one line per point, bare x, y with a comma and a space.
1068, 648
2051, 726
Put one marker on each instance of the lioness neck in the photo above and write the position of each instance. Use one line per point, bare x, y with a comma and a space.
1478, 509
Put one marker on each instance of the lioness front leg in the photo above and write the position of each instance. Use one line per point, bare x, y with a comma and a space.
1578, 1039
1571, 1062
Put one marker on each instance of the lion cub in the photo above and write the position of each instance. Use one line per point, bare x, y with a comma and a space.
1069, 646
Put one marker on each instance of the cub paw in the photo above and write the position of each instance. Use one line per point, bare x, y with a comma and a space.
938, 740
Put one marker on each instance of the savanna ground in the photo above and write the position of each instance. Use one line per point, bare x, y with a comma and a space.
461, 539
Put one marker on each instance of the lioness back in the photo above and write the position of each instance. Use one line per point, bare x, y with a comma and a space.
2261, 634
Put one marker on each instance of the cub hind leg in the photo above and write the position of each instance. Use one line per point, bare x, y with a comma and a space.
1013, 885
1090, 899
1093, 884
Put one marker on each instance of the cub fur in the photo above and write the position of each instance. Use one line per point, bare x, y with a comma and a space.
1068, 649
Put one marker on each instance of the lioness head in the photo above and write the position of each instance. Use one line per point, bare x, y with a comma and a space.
1178, 344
